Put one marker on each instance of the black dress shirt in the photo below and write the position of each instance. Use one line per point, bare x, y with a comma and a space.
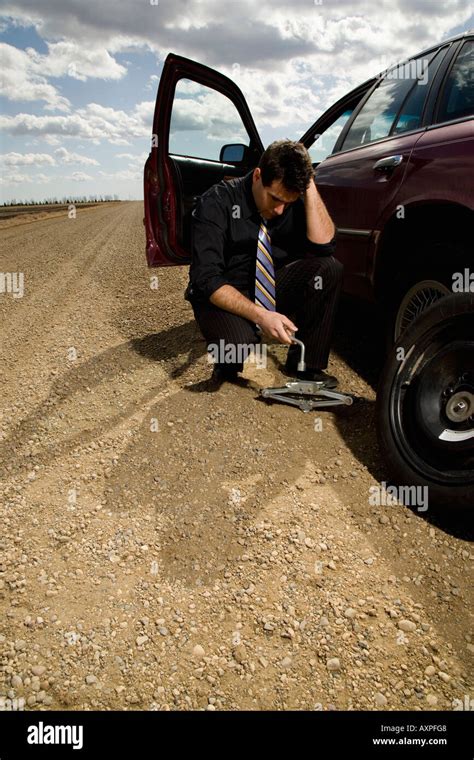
225, 225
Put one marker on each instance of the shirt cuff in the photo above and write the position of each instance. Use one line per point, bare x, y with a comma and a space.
321, 249
212, 284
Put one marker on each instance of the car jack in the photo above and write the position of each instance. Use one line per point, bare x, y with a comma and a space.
306, 394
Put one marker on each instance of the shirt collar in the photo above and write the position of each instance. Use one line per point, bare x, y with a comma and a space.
248, 205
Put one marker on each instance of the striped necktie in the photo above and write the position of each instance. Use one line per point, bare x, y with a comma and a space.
264, 271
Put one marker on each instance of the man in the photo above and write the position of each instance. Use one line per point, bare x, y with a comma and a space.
262, 249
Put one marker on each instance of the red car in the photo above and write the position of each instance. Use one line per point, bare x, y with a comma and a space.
394, 163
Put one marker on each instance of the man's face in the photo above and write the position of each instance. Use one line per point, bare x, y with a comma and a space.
271, 201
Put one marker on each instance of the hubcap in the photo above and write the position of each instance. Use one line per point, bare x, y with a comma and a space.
460, 406
416, 301
432, 403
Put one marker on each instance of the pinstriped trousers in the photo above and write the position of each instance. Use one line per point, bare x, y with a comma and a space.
307, 291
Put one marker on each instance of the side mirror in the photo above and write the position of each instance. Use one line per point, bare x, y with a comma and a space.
233, 154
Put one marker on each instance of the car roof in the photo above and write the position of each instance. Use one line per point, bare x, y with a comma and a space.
422, 52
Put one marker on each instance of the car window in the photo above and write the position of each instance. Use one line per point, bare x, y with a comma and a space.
411, 112
202, 121
324, 144
377, 116
458, 94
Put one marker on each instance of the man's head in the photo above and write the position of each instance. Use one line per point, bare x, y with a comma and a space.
282, 175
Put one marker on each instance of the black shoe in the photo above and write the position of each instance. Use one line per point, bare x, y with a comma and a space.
314, 375
229, 372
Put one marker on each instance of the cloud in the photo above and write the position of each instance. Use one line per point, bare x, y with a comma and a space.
68, 58
152, 83
265, 35
79, 177
23, 81
65, 157
26, 159
93, 122
338, 45
132, 156
16, 178
123, 174
292, 61
41, 178
210, 112
25, 72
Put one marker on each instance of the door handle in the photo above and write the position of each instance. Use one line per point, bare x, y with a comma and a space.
388, 163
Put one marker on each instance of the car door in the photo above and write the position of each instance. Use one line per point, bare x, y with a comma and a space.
445, 149
197, 112
370, 158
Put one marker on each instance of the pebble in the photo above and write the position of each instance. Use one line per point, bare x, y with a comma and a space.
333, 664
17, 681
198, 651
286, 662
430, 670
380, 699
432, 700
238, 653
350, 612
407, 625
38, 670
91, 679
140, 640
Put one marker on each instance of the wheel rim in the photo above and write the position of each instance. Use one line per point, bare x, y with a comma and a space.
432, 404
416, 301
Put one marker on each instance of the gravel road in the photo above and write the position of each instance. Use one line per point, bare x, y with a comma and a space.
170, 545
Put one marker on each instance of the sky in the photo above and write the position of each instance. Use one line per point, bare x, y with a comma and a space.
79, 77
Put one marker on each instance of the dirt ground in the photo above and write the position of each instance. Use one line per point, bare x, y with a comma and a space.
170, 545
12, 216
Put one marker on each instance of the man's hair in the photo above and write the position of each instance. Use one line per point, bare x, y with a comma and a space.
289, 162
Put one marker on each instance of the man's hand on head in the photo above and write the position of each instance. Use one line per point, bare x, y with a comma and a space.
320, 228
310, 188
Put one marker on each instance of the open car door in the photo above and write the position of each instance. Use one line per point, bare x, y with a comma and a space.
203, 132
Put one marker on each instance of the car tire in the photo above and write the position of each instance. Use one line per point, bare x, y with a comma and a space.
425, 404
409, 295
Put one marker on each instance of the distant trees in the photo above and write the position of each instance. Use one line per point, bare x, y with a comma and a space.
61, 201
